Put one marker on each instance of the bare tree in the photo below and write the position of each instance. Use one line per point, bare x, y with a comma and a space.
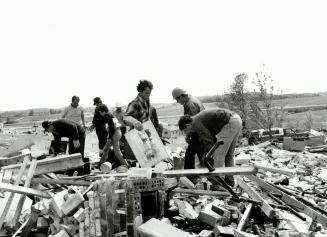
264, 113
238, 95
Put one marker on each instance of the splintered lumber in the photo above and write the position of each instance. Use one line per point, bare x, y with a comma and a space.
245, 218
11, 197
265, 207
287, 172
53, 164
15, 147
31, 222
201, 192
242, 170
12, 160
22, 197
297, 205
60, 181
23, 190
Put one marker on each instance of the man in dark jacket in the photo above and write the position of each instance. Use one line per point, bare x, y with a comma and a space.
215, 125
65, 128
99, 124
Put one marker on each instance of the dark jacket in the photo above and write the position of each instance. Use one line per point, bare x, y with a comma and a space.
208, 123
98, 121
67, 128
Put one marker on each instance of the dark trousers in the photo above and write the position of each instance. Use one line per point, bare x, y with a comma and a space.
102, 135
73, 150
194, 148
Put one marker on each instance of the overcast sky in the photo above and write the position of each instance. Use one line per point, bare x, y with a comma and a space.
52, 50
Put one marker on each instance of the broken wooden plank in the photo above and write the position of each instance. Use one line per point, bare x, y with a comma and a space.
22, 197
4, 161
11, 196
245, 218
61, 181
14, 148
23, 190
201, 192
53, 164
265, 207
242, 170
287, 172
316, 216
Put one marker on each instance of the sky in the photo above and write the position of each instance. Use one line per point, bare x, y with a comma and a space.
52, 50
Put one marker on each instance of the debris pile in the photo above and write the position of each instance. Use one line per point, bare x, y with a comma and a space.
277, 193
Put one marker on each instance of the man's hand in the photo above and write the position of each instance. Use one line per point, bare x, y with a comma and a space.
138, 126
76, 143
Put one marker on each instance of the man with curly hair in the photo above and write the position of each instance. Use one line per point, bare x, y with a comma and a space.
140, 110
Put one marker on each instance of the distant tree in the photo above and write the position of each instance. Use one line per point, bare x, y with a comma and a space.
308, 122
238, 95
31, 112
55, 111
261, 105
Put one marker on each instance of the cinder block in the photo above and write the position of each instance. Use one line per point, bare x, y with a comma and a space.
156, 228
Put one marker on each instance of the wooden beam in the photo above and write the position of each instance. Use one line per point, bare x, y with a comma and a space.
297, 205
201, 192
61, 181
287, 172
11, 196
265, 207
4, 161
53, 164
242, 170
23, 197
245, 218
23, 190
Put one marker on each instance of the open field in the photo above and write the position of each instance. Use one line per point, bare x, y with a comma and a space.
168, 113
171, 113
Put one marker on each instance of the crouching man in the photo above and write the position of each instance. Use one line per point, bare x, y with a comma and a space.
215, 125
66, 128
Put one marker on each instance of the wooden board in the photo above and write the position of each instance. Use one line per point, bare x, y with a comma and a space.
23, 190
15, 147
53, 164
265, 207
242, 170
146, 145
12, 160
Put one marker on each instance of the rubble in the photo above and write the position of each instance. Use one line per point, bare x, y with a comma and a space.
277, 193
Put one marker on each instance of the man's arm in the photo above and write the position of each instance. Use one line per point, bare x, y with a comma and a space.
129, 119
83, 119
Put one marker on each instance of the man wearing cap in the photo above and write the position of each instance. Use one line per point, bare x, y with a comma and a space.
215, 125
73, 112
192, 106
99, 123
66, 128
